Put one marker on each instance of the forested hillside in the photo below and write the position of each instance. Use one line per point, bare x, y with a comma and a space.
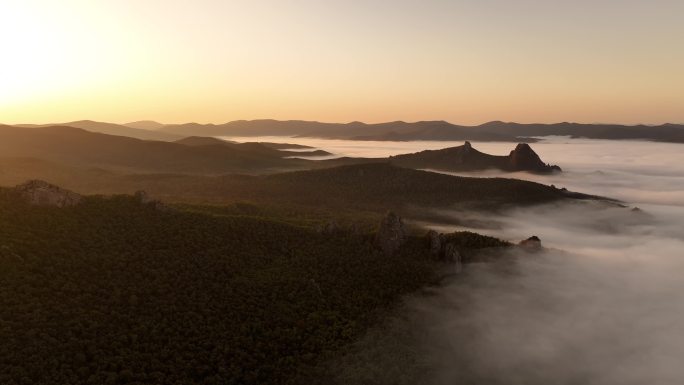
77, 147
370, 187
115, 291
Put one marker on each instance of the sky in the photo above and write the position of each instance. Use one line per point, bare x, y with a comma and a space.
464, 61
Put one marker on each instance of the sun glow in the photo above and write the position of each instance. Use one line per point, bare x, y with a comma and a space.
219, 60
51, 50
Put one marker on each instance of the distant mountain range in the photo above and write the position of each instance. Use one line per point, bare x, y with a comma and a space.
398, 131
431, 130
133, 131
212, 156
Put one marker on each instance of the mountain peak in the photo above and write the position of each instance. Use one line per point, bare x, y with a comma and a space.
523, 158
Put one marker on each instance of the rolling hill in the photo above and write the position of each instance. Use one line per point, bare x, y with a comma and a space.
281, 148
431, 130
437, 130
84, 148
145, 125
395, 131
111, 129
370, 188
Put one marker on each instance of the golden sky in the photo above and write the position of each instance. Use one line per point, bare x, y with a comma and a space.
465, 61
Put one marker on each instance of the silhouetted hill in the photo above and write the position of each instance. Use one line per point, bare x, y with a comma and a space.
202, 141
662, 133
285, 146
438, 130
80, 147
365, 187
208, 155
397, 131
111, 129
276, 149
145, 125
386, 186
466, 158
431, 130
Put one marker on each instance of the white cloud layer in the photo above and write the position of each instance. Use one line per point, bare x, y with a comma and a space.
603, 305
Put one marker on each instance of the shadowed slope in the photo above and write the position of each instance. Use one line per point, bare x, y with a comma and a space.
79, 147
112, 129
466, 158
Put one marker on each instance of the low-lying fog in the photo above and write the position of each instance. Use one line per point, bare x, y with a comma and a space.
603, 305
634, 171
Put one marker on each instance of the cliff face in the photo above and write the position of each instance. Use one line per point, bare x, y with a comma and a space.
41, 193
466, 158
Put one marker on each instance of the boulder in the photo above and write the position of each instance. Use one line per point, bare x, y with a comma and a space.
41, 193
532, 244
391, 234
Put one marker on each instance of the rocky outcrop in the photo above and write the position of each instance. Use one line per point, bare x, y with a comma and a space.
467, 158
144, 199
435, 241
532, 244
453, 256
523, 158
444, 251
391, 234
41, 193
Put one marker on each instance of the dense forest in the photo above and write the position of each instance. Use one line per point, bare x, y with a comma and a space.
115, 291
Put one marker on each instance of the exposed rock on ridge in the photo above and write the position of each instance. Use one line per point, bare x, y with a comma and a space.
391, 235
41, 193
144, 199
466, 158
532, 244
444, 251
523, 158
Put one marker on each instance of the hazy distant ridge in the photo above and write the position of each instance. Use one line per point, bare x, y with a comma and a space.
397, 131
429, 130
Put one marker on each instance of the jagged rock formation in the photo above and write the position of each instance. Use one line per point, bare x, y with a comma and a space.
41, 193
523, 158
444, 251
435, 240
391, 234
453, 256
532, 244
466, 158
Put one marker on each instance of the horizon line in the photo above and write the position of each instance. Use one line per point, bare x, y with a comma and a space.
350, 122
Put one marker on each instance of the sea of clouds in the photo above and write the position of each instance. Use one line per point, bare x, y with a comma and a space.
603, 304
